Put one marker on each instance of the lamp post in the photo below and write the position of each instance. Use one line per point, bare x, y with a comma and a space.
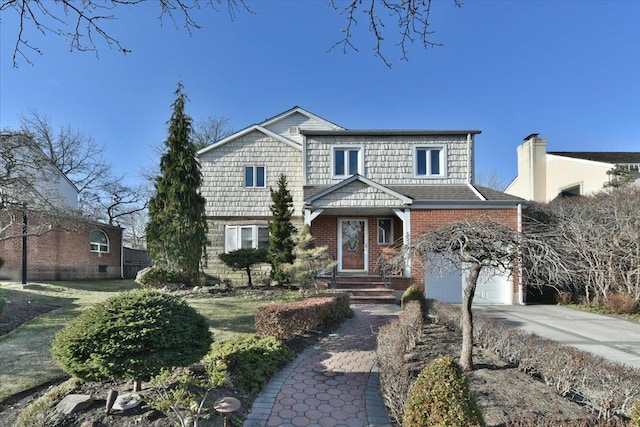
25, 224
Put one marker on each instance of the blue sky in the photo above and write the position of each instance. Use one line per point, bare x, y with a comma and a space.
569, 70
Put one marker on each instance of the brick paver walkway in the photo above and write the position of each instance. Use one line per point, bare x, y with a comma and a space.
335, 383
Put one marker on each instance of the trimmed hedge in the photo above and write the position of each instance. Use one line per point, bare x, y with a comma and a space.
609, 388
415, 293
156, 277
288, 320
441, 397
247, 361
132, 335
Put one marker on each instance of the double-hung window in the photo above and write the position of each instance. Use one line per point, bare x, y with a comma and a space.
385, 231
254, 176
430, 162
347, 161
246, 236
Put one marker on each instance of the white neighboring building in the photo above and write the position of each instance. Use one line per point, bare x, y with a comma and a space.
543, 176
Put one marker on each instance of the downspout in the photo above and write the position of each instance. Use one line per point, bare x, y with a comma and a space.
520, 286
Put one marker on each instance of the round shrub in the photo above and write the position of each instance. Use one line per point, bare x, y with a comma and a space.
440, 397
415, 293
155, 277
134, 335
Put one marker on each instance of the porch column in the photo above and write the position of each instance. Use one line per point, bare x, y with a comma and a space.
311, 215
405, 216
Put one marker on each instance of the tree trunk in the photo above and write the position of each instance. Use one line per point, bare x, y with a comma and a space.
249, 276
137, 386
466, 354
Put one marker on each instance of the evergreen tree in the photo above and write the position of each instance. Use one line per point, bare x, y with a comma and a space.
309, 260
281, 230
619, 176
177, 228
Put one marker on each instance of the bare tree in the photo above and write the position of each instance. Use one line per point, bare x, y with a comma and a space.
134, 225
210, 130
30, 187
74, 152
491, 179
476, 246
412, 18
113, 201
599, 238
82, 23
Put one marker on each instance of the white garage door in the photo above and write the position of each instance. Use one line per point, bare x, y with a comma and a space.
491, 288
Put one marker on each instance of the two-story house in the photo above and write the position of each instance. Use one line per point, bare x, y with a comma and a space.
59, 244
546, 175
363, 192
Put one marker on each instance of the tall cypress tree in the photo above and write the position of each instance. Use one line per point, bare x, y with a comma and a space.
281, 230
177, 228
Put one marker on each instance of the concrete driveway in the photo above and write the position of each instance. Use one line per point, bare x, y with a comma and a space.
610, 337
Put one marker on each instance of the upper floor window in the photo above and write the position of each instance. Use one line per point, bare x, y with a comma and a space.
99, 242
385, 231
347, 161
254, 176
246, 236
430, 162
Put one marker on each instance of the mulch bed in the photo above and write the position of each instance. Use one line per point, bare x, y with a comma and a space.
18, 313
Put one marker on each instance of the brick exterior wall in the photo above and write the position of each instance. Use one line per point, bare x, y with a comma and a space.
425, 220
325, 231
62, 255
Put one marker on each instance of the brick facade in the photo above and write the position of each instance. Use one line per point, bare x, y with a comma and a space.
62, 255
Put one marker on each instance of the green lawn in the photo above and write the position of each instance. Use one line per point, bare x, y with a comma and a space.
24, 353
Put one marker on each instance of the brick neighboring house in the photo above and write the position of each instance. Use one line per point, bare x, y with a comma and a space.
79, 249
544, 176
362, 192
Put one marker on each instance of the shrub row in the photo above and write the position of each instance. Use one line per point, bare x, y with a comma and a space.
288, 320
395, 339
609, 388
246, 361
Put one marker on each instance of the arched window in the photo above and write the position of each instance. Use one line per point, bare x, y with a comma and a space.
99, 242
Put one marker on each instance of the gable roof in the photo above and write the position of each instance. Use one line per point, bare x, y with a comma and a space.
416, 194
324, 190
245, 131
392, 132
615, 157
299, 110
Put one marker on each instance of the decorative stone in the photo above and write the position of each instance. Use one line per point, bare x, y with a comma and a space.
226, 405
73, 403
127, 401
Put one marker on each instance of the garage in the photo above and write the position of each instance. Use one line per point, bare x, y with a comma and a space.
493, 287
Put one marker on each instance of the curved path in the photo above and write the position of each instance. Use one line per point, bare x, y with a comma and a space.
334, 383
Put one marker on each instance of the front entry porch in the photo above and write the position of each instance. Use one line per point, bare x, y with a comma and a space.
367, 289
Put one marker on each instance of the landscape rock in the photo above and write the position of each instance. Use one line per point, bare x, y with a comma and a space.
126, 401
73, 403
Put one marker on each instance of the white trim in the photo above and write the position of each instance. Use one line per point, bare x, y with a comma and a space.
99, 244
443, 161
309, 215
575, 159
246, 131
365, 244
476, 192
302, 111
404, 199
255, 177
390, 237
479, 205
237, 230
405, 216
347, 148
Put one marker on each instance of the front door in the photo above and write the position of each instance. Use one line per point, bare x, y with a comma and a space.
352, 245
